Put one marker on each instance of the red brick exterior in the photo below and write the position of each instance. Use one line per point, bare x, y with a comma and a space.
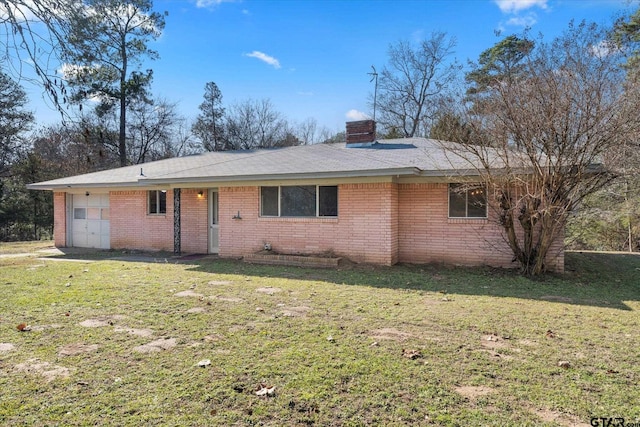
131, 226
365, 230
60, 219
381, 223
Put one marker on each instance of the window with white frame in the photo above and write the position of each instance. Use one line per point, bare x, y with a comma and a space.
299, 201
467, 201
157, 202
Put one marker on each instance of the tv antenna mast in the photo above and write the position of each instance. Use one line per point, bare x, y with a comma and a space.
374, 76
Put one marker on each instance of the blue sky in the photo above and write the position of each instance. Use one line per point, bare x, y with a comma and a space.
311, 58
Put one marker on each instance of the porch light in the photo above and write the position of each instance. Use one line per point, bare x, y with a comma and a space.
200, 194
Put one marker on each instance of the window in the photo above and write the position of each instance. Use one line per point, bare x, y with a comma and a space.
157, 202
299, 201
467, 201
79, 213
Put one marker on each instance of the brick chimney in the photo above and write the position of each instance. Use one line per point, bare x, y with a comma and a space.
361, 133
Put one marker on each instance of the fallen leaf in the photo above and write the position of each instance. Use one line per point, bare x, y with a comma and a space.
265, 390
23, 327
204, 363
550, 334
564, 364
411, 354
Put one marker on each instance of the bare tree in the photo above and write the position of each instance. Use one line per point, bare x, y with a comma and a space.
545, 132
151, 130
411, 84
257, 124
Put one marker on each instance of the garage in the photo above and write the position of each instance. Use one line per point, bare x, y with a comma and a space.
90, 221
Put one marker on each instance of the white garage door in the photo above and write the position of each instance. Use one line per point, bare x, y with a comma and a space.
90, 221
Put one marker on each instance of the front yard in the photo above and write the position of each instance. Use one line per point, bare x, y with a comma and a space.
105, 340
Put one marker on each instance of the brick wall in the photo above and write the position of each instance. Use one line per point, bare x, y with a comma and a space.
426, 234
194, 221
60, 219
133, 228
361, 232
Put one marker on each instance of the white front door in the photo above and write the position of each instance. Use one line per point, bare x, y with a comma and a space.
214, 226
90, 221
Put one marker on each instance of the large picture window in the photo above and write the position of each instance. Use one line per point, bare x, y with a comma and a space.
299, 201
467, 201
157, 202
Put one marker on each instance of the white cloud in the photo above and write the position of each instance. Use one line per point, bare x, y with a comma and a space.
514, 6
356, 115
211, 3
522, 21
265, 58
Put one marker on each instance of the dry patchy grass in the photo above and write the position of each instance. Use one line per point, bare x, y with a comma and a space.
117, 342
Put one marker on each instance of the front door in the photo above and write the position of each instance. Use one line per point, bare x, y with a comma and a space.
214, 226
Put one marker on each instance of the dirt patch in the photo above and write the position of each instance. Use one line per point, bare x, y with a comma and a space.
228, 299
76, 349
6, 347
101, 321
300, 311
219, 282
188, 293
550, 416
493, 341
157, 345
146, 333
49, 371
390, 334
269, 290
196, 310
473, 392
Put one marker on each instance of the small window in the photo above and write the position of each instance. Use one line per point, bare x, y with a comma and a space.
79, 213
157, 202
299, 201
467, 201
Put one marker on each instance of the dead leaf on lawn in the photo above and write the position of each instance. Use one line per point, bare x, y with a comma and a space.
550, 334
23, 327
411, 354
265, 390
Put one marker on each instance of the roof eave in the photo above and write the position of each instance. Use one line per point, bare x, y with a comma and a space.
143, 181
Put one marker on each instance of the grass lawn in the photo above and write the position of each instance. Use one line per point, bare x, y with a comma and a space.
117, 342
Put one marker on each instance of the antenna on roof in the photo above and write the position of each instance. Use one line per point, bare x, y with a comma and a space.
374, 76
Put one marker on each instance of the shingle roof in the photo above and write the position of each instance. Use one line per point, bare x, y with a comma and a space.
411, 156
